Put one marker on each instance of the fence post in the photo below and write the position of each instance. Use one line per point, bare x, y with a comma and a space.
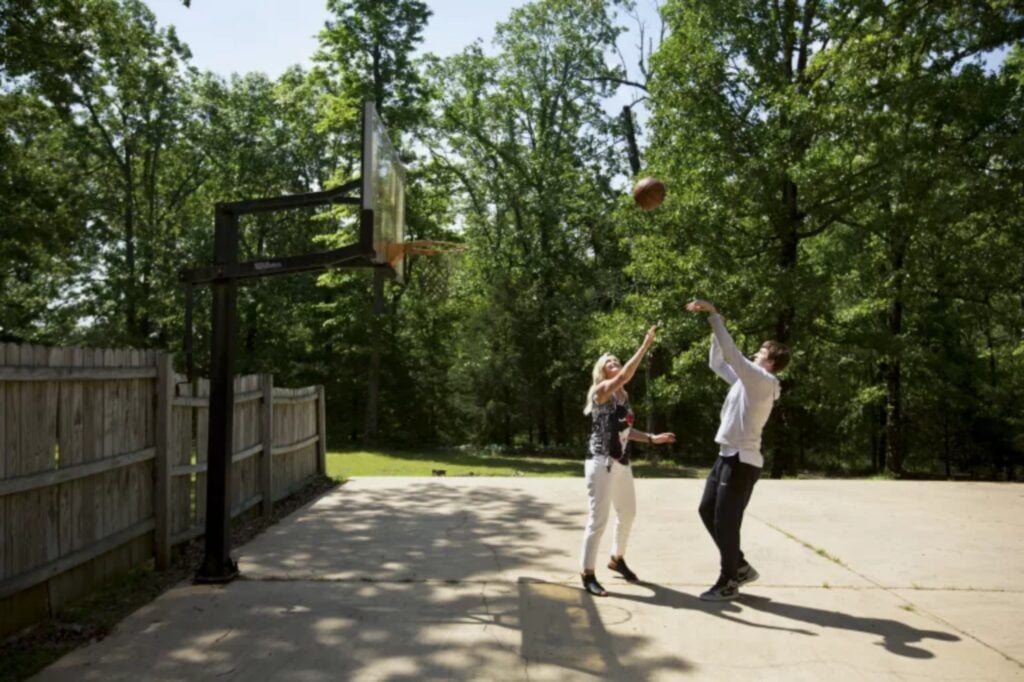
321, 431
267, 436
162, 498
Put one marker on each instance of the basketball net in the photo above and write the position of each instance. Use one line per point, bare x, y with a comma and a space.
433, 278
422, 247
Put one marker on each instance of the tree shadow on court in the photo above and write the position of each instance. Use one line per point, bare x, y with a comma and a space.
896, 637
434, 530
404, 582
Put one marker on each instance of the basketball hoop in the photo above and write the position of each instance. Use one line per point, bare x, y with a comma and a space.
433, 277
421, 247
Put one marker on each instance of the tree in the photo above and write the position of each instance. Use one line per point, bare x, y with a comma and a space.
526, 136
780, 125
366, 53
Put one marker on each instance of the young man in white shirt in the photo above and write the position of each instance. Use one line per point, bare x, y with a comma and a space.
754, 390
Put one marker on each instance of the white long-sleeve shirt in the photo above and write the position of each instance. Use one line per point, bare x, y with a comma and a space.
750, 400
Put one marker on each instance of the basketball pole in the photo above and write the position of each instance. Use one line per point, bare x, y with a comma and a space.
223, 278
218, 566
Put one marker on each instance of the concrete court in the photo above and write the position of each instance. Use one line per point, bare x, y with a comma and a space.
476, 578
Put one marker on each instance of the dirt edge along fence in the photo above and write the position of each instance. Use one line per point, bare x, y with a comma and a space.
103, 465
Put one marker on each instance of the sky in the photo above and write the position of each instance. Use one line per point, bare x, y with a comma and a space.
238, 36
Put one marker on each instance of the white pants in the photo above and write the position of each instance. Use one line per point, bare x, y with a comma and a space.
607, 488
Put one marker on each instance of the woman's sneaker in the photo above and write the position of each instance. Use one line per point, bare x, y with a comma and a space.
747, 574
723, 590
620, 567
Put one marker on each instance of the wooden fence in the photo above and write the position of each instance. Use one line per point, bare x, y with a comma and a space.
103, 465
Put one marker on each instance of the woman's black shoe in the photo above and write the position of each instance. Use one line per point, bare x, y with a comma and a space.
620, 567
591, 585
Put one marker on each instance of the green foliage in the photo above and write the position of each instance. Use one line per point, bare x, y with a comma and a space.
854, 142
845, 177
526, 138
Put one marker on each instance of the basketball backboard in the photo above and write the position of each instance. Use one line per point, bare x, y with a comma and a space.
383, 192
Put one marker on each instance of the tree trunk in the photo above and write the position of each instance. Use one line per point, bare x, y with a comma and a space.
895, 436
652, 451
560, 434
542, 425
353, 434
506, 422
894, 417
789, 238
883, 445
632, 150
946, 456
131, 307
873, 437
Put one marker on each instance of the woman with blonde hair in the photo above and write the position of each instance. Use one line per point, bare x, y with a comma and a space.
608, 473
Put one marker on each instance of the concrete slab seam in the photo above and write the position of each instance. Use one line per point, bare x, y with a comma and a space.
934, 617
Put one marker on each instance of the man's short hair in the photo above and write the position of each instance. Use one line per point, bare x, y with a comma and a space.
778, 355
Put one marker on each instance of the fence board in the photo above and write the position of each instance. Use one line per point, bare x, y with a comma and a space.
267, 440
88, 519
247, 420
48, 500
79, 457
71, 441
181, 489
3, 467
29, 513
165, 447
321, 428
201, 448
9, 434
134, 511
67, 474
107, 483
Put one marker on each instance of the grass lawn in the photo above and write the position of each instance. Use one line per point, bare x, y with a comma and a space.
356, 463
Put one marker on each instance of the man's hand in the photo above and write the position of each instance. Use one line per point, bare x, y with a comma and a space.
698, 306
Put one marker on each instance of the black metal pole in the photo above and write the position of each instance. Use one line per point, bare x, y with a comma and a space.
218, 567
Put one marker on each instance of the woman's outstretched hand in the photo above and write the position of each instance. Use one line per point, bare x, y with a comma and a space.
663, 438
699, 306
649, 337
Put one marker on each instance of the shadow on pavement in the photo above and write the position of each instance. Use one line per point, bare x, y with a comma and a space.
405, 583
896, 637
674, 599
566, 627
432, 531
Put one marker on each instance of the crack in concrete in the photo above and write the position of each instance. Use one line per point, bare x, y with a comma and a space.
491, 620
700, 586
891, 591
494, 554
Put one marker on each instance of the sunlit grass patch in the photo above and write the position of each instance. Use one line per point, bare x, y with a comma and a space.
463, 462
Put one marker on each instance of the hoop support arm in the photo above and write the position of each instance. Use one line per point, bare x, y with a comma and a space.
336, 195
350, 256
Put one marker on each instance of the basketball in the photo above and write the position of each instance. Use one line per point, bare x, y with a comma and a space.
649, 193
